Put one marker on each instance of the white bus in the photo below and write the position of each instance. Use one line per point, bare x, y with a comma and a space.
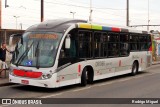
63, 52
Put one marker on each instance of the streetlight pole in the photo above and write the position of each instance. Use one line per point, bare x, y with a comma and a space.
6, 5
42, 10
148, 17
16, 17
127, 14
90, 16
21, 26
73, 13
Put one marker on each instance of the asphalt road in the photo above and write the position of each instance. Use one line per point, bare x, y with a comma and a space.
144, 85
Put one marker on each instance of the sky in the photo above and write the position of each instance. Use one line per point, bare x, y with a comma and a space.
104, 11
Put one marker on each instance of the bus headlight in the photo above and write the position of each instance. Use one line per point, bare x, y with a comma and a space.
46, 76
11, 71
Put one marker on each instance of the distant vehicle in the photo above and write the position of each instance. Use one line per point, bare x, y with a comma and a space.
63, 52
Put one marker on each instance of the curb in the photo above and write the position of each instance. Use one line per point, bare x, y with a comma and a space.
156, 63
4, 81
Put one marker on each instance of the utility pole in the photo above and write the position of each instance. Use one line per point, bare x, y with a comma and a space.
0, 14
127, 14
90, 16
42, 10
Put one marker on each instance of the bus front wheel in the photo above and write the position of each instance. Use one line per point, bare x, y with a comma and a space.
134, 68
84, 77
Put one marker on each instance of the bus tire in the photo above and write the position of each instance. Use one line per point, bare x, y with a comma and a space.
90, 77
134, 68
84, 77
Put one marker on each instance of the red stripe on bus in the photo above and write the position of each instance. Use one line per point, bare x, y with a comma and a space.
33, 74
23, 73
19, 72
79, 68
116, 29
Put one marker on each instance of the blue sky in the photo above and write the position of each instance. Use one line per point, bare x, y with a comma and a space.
104, 11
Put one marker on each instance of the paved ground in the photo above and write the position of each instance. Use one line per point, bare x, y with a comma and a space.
4, 78
144, 85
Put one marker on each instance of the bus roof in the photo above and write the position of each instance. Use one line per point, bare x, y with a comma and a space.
57, 25
61, 25
109, 28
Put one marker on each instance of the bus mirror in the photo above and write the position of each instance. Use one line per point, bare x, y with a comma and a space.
68, 42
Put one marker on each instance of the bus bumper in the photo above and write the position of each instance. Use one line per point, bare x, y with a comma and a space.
48, 83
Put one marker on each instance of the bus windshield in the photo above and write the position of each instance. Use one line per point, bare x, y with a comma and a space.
37, 49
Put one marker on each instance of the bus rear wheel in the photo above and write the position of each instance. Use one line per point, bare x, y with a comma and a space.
134, 69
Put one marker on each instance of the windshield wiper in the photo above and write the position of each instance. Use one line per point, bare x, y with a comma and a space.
37, 55
23, 55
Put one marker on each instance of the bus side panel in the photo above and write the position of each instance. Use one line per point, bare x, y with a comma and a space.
69, 75
102, 68
123, 65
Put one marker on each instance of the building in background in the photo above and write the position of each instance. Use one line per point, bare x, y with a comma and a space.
156, 45
5, 34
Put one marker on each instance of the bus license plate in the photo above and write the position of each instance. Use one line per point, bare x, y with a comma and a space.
25, 82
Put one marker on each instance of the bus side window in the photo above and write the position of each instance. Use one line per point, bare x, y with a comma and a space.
134, 45
113, 44
85, 44
149, 42
124, 47
73, 50
105, 44
98, 44
143, 42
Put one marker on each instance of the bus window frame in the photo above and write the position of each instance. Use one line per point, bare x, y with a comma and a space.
91, 32
146, 42
137, 42
115, 42
128, 42
101, 51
